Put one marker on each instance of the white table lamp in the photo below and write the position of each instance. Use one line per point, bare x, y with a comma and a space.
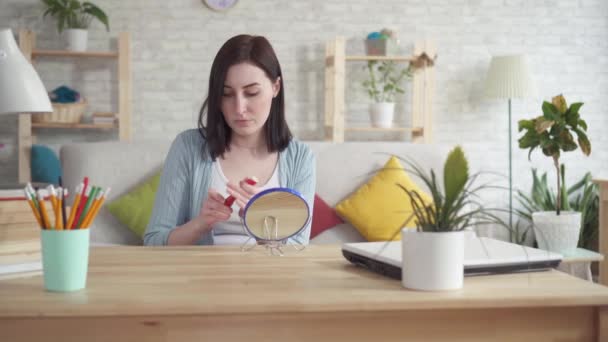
509, 78
21, 90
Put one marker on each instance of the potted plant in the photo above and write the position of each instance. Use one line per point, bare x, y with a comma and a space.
73, 19
558, 230
384, 83
583, 197
433, 253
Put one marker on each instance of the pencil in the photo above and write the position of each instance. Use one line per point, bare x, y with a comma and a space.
45, 217
74, 206
85, 202
28, 197
59, 219
66, 194
83, 198
53, 198
92, 209
30, 189
55, 194
89, 205
97, 208
32, 193
63, 200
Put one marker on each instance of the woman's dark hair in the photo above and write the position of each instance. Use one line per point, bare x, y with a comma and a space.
238, 49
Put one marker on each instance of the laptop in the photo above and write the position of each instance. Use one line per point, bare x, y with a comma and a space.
482, 256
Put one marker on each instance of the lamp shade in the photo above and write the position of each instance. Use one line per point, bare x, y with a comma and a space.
21, 90
509, 78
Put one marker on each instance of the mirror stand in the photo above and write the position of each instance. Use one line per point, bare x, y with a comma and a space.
271, 239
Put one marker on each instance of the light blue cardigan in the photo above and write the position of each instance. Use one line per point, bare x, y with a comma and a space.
186, 177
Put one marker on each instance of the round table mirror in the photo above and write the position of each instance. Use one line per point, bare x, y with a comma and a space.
274, 215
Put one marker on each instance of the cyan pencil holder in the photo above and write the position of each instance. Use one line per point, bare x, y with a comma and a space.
65, 259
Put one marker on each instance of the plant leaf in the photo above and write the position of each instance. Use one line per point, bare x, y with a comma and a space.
549, 111
566, 141
530, 139
455, 174
560, 104
574, 108
583, 141
525, 124
96, 12
542, 124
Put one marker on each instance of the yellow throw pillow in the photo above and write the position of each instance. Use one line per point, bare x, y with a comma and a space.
379, 208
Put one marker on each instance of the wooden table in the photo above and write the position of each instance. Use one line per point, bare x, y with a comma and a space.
223, 294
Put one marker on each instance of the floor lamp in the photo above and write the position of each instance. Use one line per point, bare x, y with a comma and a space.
21, 90
509, 78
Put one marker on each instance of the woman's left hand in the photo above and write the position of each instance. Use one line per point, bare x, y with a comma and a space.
242, 192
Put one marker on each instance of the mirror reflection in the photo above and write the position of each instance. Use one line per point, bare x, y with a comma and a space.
276, 214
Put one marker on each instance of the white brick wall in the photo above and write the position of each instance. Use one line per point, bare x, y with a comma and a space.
174, 43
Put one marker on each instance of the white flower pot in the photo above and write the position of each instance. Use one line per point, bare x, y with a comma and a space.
381, 114
432, 261
557, 233
76, 39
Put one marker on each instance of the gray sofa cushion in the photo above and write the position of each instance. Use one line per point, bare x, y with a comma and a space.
340, 233
341, 169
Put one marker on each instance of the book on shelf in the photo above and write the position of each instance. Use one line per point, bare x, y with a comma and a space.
19, 241
104, 118
15, 192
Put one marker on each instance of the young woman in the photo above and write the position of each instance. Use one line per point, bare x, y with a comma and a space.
245, 135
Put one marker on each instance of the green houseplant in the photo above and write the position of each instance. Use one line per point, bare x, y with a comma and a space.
553, 132
455, 207
435, 249
74, 18
385, 81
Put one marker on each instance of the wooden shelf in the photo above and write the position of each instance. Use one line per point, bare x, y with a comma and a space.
65, 53
121, 57
423, 84
75, 125
380, 129
376, 129
379, 58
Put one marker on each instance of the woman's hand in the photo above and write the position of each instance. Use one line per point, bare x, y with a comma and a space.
242, 192
214, 210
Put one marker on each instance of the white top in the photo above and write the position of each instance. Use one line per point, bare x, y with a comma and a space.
232, 232
581, 255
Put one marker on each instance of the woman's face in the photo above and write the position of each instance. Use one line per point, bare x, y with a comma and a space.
247, 98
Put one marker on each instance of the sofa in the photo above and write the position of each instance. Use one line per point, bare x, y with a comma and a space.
341, 169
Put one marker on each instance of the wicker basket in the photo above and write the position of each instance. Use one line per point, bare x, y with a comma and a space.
62, 113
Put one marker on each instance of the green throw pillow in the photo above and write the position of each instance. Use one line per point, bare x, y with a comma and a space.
135, 208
